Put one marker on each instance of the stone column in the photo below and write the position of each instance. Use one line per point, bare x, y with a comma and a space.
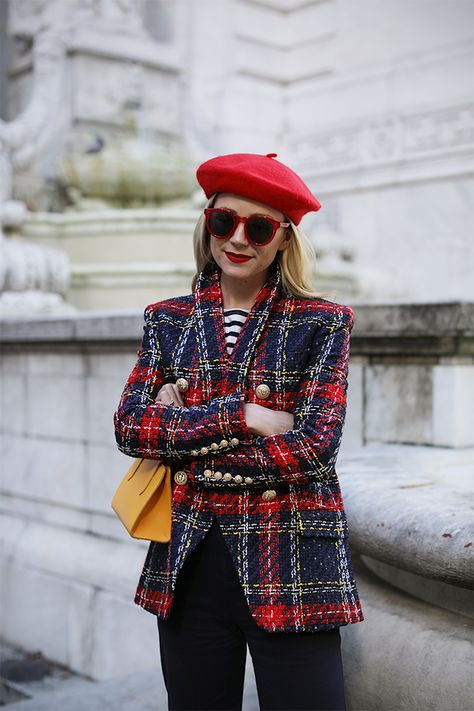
33, 279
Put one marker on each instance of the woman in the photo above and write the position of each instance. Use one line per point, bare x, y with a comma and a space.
249, 412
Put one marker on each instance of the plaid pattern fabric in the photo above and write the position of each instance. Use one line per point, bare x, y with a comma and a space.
291, 553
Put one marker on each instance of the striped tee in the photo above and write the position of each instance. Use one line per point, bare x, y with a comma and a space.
233, 322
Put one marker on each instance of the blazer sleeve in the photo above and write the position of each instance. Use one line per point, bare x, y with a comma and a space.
145, 428
309, 450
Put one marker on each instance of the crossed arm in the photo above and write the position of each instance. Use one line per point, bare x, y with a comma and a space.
145, 428
309, 450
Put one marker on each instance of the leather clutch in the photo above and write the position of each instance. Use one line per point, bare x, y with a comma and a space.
143, 500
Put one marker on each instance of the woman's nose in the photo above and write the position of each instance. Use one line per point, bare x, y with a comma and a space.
239, 235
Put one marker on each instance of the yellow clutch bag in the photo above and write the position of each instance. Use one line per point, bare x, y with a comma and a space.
143, 500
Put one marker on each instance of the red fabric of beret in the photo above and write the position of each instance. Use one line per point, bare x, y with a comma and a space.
261, 178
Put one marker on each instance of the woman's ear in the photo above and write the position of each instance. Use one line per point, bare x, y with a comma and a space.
285, 243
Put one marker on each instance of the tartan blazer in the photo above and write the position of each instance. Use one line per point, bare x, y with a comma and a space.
277, 498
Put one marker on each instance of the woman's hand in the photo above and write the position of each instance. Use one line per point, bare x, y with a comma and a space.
168, 393
260, 420
263, 421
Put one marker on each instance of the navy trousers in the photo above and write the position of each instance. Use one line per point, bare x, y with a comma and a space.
203, 646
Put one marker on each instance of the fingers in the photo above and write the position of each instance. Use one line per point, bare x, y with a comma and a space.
169, 394
281, 421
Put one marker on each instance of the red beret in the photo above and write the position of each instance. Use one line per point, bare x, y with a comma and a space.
261, 178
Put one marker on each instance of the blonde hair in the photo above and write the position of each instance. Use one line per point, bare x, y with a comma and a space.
295, 261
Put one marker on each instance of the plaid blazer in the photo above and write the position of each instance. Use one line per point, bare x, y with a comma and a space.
277, 498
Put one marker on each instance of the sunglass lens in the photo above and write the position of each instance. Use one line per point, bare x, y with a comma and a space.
260, 230
220, 223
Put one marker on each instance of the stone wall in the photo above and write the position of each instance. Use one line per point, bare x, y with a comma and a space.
68, 566
412, 375
69, 569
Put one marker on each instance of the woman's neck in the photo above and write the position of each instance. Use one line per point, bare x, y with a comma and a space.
240, 293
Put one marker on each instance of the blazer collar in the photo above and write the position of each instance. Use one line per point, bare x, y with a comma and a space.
218, 367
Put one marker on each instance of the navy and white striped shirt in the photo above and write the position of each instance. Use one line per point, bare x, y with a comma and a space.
233, 322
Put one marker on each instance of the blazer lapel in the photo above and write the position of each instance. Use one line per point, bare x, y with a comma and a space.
219, 369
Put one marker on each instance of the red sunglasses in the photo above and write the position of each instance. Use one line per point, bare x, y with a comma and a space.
221, 223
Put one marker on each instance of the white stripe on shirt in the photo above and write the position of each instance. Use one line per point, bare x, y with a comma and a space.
234, 319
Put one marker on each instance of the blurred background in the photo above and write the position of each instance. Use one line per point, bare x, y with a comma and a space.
106, 109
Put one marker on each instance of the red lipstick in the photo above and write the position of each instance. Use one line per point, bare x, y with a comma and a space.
237, 257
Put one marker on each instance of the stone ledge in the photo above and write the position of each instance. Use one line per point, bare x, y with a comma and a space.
420, 330
432, 328
78, 328
411, 507
448, 597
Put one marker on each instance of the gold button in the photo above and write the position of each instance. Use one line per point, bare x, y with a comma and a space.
262, 391
234, 441
207, 472
227, 476
238, 479
269, 495
248, 480
214, 446
217, 475
182, 385
224, 443
204, 450
181, 477
194, 452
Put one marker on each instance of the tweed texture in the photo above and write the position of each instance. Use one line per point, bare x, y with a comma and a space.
291, 553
